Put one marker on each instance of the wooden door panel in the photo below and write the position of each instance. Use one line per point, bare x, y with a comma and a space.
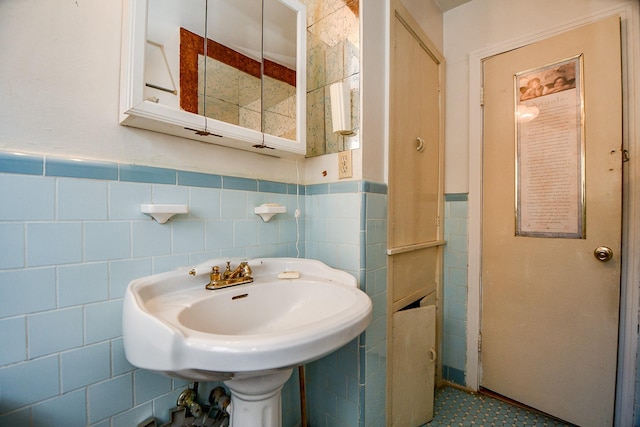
415, 174
414, 275
414, 339
549, 307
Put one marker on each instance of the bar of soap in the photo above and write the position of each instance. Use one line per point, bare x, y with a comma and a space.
289, 275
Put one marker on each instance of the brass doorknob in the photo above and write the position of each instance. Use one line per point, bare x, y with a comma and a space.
603, 253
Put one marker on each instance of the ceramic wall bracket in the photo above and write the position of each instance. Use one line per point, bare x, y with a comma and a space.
163, 212
268, 210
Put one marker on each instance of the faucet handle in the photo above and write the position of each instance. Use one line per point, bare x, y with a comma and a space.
246, 269
227, 272
239, 271
215, 273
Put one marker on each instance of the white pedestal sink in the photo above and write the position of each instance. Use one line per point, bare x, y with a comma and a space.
250, 336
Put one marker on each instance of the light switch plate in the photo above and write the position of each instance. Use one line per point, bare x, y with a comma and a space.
345, 169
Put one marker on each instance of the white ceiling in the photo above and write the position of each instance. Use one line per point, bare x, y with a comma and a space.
449, 4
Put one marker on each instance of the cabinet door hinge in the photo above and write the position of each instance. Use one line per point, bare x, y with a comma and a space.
480, 342
482, 96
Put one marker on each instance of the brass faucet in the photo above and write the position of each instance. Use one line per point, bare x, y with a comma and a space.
239, 276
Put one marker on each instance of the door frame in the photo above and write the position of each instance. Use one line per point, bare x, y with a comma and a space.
630, 272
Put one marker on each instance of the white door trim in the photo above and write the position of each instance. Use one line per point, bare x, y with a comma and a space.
628, 336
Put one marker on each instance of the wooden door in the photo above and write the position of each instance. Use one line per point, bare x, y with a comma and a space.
415, 146
414, 341
549, 327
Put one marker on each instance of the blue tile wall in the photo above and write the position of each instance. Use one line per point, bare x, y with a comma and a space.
54, 331
82, 199
80, 169
195, 179
346, 229
30, 382
73, 237
374, 234
84, 366
56, 412
72, 284
147, 174
27, 291
12, 256
21, 163
455, 289
53, 243
110, 397
13, 330
32, 198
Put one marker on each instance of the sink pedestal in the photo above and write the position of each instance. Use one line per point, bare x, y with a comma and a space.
256, 401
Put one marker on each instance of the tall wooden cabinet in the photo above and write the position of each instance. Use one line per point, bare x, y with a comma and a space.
415, 232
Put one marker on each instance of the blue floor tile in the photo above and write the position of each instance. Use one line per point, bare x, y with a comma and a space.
455, 407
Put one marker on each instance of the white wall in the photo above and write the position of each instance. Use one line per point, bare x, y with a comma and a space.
59, 92
481, 24
374, 82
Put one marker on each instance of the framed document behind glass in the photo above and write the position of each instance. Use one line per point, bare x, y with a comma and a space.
550, 181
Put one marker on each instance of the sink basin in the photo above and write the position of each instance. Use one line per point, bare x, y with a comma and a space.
172, 324
250, 336
283, 307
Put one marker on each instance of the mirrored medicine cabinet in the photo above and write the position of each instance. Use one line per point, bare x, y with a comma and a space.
226, 72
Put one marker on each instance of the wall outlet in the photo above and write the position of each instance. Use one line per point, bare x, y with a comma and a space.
345, 169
